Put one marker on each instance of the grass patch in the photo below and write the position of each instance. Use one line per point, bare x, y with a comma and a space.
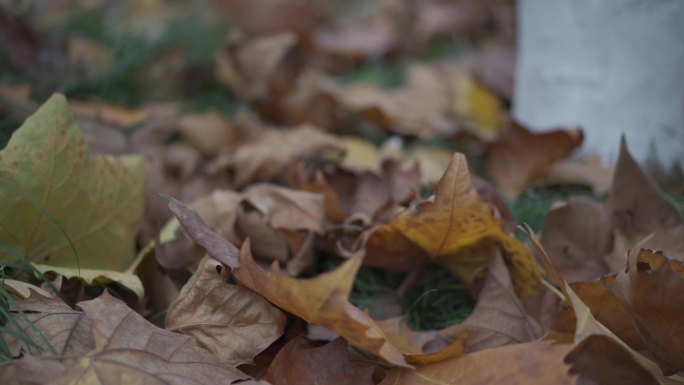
438, 299
532, 204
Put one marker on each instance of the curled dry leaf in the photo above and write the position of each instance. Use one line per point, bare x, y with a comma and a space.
257, 160
285, 208
457, 230
322, 300
537, 362
519, 156
648, 289
209, 133
327, 364
364, 195
220, 249
230, 321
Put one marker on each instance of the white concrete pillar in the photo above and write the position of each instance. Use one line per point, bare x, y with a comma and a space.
610, 66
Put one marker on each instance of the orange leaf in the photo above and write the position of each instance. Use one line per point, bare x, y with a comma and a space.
322, 300
457, 230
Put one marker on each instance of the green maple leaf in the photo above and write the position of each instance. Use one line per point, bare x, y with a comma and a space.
60, 208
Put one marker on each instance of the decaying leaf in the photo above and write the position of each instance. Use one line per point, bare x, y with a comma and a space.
457, 230
647, 288
537, 362
257, 160
577, 236
127, 347
55, 328
47, 178
498, 318
328, 364
230, 321
322, 300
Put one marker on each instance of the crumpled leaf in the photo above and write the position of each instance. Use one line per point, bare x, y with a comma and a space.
257, 160
457, 230
285, 208
327, 364
230, 321
46, 177
129, 348
322, 300
537, 362
587, 325
648, 289
420, 108
209, 133
519, 156
282, 222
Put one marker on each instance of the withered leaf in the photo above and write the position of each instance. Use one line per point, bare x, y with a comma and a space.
457, 230
537, 362
648, 289
265, 157
230, 321
498, 318
129, 348
220, 249
286, 208
601, 360
577, 236
328, 364
322, 300
55, 328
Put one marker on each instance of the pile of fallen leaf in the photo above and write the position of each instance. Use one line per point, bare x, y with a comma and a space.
149, 244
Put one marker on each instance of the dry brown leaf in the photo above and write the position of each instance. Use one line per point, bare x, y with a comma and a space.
220, 249
327, 364
577, 236
457, 230
57, 329
322, 300
600, 360
537, 362
209, 133
248, 67
636, 205
420, 108
647, 288
498, 318
605, 307
365, 195
266, 156
129, 348
230, 321
519, 156
285, 208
